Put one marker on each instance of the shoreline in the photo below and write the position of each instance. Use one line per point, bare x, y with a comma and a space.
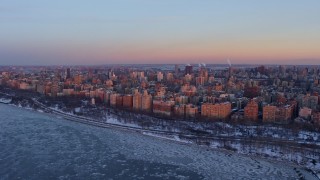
180, 137
144, 132
180, 150
121, 125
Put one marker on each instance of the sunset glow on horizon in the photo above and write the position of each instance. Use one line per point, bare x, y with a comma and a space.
38, 32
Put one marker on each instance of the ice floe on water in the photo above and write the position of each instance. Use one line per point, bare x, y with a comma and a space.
37, 146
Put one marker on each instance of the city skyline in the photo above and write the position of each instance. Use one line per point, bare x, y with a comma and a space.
159, 32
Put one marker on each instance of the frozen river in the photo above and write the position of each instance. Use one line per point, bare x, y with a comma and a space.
38, 146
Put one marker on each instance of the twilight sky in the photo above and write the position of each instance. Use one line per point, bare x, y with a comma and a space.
51, 32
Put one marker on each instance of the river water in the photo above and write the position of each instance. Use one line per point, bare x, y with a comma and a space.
36, 145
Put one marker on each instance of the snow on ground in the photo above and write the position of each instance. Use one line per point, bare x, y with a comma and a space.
272, 152
309, 135
113, 120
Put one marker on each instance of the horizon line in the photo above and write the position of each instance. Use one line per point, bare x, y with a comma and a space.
226, 64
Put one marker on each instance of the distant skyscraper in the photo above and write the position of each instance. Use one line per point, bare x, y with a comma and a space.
90, 73
159, 76
176, 69
282, 69
68, 73
188, 69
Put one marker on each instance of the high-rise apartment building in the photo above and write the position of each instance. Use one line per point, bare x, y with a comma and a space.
251, 111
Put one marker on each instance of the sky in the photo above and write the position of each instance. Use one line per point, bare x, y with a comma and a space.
79, 32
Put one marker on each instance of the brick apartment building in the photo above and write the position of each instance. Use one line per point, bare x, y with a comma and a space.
251, 111
216, 111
